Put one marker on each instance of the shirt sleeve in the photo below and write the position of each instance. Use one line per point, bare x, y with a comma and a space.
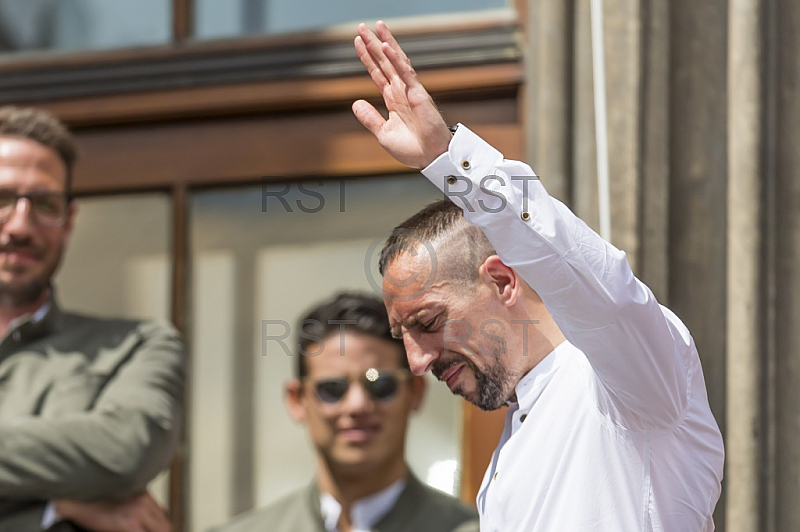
640, 351
112, 450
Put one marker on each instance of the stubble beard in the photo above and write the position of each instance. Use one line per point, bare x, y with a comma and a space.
23, 293
491, 384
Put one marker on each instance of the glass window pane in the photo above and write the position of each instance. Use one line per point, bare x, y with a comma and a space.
225, 18
118, 264
69, 25
251, 265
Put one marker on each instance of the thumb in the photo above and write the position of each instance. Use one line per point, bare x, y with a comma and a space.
369, 117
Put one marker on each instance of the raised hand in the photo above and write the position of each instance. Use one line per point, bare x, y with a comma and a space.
415, 133
139, 514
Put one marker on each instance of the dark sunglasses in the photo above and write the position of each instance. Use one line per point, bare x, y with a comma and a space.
380, 385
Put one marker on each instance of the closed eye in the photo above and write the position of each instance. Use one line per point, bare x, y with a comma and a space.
432, 325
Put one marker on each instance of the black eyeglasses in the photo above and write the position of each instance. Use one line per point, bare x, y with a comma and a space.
47, 208
380, 385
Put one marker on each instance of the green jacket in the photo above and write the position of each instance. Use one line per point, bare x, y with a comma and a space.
89, 409
418, 509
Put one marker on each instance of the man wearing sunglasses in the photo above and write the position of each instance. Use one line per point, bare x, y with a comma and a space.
355, 393
89, 408
510, 299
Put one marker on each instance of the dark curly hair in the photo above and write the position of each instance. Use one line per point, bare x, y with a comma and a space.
366, 311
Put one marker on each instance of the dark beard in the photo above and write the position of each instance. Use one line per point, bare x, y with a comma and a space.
490, 384
22, 296
16, 295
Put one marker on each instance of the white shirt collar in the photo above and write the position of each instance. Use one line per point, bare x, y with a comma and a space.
41, 312
365, 512
36, 317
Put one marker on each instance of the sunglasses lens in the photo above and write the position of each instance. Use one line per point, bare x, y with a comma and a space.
382, 388
332, 390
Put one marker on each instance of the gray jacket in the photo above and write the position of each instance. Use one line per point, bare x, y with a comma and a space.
418, 509
89, 409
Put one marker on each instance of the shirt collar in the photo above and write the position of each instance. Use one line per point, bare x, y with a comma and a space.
531, 386
37, 316
366, 512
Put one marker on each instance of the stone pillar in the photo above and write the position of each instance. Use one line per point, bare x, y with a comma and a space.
654, 130
787, 276
744, 337
698, 188
548, 94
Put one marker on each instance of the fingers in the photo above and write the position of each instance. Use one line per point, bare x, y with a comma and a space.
383, 54
401, 65
374, 47
152, 515
372, 67
387, 37
369, 117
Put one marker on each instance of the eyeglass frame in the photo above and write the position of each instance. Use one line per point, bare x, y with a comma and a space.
400, 375
31, 196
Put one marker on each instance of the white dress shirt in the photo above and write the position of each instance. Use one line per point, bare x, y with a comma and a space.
365, 513
612, 430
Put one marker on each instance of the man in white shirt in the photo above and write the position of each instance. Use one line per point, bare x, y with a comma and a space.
510, 299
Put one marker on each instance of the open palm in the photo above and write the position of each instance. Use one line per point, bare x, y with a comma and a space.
414, 133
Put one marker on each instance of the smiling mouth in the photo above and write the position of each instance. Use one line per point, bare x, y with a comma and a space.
19, 253
359, 434
18, 260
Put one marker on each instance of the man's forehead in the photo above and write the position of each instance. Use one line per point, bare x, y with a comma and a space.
408, 276
19, 153
351, 353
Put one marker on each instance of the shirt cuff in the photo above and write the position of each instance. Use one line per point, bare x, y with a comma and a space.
468, 156
50, 516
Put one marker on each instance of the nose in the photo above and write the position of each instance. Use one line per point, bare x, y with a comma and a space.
19, 221
357, 400
421, 355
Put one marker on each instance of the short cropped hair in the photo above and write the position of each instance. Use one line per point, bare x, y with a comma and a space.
442, 224
327, 318
42, 127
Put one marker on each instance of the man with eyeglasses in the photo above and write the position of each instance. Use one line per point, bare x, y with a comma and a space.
89, 408
355, 393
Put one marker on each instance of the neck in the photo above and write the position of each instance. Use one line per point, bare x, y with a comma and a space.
348, 486
542, 337
10, 311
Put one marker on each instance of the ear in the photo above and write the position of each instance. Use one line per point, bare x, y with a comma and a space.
502, 279
295, 400
418, 386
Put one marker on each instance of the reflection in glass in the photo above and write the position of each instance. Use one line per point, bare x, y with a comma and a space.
227, 18
69, 25
117, 264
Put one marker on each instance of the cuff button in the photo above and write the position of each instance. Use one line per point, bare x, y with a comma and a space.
525, 216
